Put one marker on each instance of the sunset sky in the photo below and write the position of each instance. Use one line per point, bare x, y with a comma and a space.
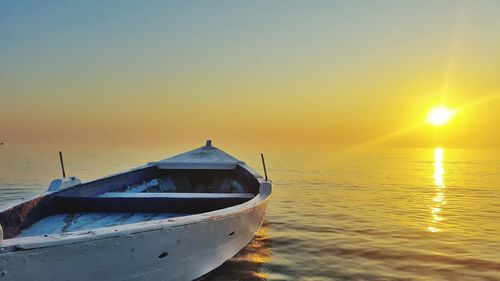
265, 73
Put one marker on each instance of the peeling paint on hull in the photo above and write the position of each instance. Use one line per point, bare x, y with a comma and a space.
192, 250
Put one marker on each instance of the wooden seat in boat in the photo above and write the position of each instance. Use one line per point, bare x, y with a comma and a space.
178, 195
151, 202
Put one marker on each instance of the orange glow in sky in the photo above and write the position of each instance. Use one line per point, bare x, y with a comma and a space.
296, 74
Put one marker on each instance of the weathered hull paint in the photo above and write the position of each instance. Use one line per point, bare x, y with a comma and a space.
177, 248
182, 252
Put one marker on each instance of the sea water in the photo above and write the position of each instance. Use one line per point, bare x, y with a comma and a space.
338, 214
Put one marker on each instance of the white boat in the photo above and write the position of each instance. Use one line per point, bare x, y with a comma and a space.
175, 219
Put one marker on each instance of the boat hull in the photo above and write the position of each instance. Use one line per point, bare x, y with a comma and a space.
182, 252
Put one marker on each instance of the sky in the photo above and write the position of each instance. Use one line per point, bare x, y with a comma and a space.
292, 74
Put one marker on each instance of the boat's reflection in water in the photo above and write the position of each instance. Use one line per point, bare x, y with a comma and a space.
248, 263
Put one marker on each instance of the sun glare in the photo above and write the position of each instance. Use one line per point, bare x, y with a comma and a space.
440, 115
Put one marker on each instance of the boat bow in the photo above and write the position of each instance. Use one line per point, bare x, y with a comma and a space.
206, 157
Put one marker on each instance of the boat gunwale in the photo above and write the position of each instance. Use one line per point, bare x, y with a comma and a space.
73, 237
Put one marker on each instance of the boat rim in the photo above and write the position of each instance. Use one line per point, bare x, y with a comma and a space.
81, 236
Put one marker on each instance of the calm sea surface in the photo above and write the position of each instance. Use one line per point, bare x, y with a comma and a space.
378, 214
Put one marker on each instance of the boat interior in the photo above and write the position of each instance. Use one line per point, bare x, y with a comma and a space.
139, 195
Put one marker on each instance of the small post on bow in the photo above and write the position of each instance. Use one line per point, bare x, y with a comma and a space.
264, 164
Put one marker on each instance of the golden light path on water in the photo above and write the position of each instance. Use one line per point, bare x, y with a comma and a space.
439, 199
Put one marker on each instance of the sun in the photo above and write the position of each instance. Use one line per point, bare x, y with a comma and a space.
440, 115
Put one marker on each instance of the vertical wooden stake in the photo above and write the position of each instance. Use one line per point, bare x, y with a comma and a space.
62, 163
264, 164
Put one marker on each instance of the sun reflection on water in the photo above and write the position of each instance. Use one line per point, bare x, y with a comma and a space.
439, 198
249, 263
